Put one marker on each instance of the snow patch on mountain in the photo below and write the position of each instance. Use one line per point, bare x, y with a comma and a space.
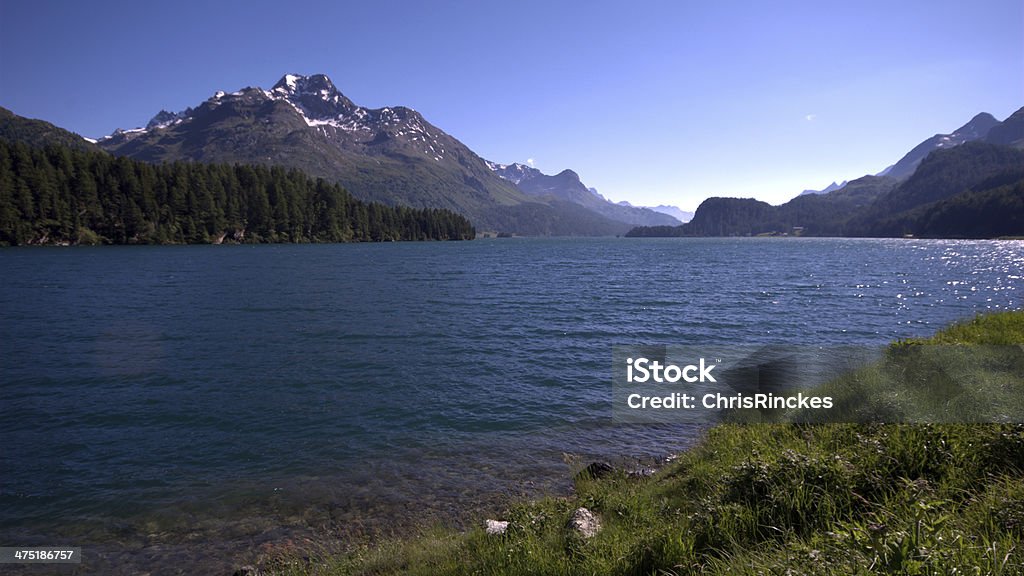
515, 173
163, 119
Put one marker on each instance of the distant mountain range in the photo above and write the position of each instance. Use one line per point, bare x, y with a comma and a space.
830, 188
674, 211
391, 155
566, 185
968, 184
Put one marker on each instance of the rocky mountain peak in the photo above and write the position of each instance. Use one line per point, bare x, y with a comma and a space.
977, 128
163, 118
298, 84
515, 172
316, 96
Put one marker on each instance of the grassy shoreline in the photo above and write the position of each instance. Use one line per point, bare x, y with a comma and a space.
764, 499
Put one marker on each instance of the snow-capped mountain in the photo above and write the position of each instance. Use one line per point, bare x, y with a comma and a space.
163, 119
321, 106
390, 154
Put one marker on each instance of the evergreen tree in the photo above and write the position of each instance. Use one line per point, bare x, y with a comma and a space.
64, 195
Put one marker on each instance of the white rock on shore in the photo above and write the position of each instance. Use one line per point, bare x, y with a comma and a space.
585, 523
495, 527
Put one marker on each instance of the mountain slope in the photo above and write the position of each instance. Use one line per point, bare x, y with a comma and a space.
673, 211
977, 129
62, 195
38, 133
981, 127
808, 215
947, 172
1009, 132
976, 170
390, 154
958, 173
830, 188
993, 212
566, 186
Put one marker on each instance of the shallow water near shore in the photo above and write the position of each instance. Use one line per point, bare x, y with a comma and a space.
178, 407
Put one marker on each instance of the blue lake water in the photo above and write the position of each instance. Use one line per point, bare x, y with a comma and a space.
160, 400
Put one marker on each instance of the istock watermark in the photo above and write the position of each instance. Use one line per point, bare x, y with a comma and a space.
899, 383
645, 370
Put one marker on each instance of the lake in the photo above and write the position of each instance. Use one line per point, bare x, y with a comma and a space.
194, 406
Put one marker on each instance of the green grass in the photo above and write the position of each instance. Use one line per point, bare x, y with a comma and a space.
815, 499
1005, 328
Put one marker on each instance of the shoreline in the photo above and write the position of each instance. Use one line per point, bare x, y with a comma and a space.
749, 498
155, 543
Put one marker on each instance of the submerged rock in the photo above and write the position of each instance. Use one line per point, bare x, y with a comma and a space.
596, 470
495, 527
584, 523
247, 571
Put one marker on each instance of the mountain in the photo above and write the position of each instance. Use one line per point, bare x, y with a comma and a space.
52, 192
830, 188
975, 190
37, 133
1009, 132
982, 127
566, 186
391, 155
514, 173
961, 185
681, 216
990, 213
960, 173
729, 217
977, 129
807, 215
673, 211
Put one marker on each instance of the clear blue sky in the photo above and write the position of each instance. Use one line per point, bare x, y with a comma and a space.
651, 102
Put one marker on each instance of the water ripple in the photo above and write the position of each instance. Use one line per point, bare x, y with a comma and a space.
207, 386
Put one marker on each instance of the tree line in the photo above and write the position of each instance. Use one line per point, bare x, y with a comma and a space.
60, 195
